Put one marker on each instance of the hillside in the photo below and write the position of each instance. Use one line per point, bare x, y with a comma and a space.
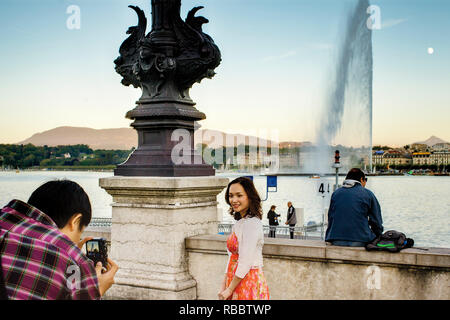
120, 139
123, 138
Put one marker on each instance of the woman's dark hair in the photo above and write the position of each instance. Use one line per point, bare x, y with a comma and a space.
255, 209
272, 207
60, 200
355, 174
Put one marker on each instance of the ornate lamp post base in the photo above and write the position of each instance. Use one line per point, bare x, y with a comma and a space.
165, 142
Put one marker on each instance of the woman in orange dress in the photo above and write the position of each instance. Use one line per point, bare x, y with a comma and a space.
244, 278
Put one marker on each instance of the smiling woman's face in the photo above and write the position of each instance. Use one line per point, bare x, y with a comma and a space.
238, 199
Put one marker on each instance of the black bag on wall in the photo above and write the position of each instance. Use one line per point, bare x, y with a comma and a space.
392, 241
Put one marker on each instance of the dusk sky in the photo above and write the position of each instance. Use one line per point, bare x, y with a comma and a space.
276, 56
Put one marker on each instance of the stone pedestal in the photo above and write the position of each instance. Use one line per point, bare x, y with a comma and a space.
151, 217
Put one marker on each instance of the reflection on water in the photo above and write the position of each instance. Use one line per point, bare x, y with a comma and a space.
417, 206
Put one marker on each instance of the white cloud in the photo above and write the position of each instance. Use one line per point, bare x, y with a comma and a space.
279, 57
391, 22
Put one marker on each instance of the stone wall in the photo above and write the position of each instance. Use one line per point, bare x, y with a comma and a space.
302, 269
306, 269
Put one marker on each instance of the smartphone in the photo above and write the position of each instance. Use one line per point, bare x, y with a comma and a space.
96, 250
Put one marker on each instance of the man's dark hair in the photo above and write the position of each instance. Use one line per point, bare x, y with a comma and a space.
355, 174
60, 200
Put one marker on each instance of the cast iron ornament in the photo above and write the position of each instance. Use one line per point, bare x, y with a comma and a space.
174, 51
165, 64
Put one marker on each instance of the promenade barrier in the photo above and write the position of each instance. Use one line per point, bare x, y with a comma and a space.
310, 269
303, 232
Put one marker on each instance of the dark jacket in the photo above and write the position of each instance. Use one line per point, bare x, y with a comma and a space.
354, 215
272, 216
291, 216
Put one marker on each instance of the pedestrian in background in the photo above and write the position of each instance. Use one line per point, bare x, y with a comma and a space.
273, 221
291, 219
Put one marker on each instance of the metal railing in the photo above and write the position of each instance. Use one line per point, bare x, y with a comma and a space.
100, 222
304, 232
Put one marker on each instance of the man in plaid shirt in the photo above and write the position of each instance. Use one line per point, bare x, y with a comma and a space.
40, 258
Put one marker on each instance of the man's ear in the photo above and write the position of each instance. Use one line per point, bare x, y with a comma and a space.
74, 222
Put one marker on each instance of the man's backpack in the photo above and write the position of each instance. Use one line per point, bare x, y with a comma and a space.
392, 241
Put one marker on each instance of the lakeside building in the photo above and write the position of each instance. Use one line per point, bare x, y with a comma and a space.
391, 157
377, 158
440, 158
421, 158
416, 154
444, 146
397, 158
431, 158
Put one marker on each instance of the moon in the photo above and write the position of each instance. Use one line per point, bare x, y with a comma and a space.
430, 50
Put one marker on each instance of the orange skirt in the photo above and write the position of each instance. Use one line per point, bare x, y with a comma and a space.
252, 287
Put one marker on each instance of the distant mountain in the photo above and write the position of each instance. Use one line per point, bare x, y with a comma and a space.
431, 141
119, 139
216, 139
126, 138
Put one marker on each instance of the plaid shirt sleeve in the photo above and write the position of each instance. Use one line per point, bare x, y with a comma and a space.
35, 270
39, 262
82, 282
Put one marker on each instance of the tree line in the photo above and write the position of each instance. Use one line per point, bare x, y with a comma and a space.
28, 156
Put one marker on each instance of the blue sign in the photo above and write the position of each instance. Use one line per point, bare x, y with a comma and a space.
250, 177
271, 181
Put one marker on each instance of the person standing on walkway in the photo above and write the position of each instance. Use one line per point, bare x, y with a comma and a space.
273, 221
291, 219
244, 278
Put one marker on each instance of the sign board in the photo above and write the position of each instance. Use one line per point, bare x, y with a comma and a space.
323, 187
271, 181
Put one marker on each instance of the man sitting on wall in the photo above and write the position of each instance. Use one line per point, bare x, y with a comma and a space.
40, 256
354, 217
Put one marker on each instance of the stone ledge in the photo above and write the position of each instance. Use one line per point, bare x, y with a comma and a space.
169, 183
163, 192
312, 249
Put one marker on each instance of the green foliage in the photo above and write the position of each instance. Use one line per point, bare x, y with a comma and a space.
378, 148
27, 156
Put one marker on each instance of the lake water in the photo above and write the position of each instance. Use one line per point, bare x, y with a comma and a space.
419, 206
